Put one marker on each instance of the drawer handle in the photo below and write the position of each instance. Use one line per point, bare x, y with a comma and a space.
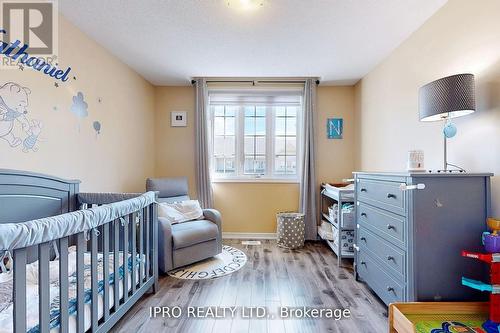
363, 214
363, 239
363, 190
390, 258
390, 226
390, 195
390, 288
363, 262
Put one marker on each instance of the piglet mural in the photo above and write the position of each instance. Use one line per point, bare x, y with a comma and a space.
14, 104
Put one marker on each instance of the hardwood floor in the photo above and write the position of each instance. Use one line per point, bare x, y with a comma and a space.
272, 277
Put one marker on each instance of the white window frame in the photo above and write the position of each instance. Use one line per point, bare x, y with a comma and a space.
269, 176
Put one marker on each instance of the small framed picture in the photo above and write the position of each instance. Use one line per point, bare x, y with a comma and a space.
178, 119
334, 128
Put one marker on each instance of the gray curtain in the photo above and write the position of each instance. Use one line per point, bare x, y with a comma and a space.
203, 181
308, 190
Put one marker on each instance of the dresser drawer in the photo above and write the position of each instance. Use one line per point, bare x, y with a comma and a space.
387, 225
380, 281
392, 257
384, 194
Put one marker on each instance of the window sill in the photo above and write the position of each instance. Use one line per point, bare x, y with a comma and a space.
256, 180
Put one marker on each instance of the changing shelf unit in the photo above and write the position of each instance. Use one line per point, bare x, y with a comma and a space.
340, 196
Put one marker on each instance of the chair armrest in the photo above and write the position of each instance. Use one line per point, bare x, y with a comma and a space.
165, 249
214, 216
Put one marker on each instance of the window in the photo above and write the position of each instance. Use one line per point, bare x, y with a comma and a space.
255, 135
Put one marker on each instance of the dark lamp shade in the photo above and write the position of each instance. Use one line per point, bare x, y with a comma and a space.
449, 97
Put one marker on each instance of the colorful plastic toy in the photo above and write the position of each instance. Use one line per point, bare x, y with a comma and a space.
494, 225
493, 259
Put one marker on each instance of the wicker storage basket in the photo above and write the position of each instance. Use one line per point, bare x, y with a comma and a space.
291, 229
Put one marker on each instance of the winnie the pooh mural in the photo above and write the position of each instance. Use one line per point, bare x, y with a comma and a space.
14, 102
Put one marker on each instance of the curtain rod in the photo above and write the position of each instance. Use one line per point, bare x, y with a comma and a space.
253, 81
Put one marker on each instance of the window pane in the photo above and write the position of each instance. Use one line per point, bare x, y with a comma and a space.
291, 126
291, 164
291, 111
249, 111
291, 145
255, 165
229, 146
230, 125
280, 111
280, 126
219, 165
260, 126
218, 110
260, 145
218, 145
280, 164
231, 111
260, 165
279, 148
230, 165
249, 145
219, 126
260, 111
249, 126
249, 165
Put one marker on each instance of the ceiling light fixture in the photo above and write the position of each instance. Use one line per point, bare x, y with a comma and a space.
245, 5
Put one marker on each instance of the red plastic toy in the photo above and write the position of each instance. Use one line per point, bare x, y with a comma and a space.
493, 259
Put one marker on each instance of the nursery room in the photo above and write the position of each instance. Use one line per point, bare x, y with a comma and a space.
249, 166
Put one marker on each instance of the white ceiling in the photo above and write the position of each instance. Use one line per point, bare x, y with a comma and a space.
170, 41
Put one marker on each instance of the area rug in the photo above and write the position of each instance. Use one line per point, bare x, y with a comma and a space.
227, 262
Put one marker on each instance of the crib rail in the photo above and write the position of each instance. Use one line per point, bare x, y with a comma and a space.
129, 240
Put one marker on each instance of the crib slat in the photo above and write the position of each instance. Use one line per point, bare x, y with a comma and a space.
134, 252
141, 249
125, 260
116, 265
105, 253
81, 248
43, 287
154, 246
94, 279
63, 284
20, 290
147, 257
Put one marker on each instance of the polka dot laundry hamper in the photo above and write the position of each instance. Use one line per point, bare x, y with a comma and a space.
291, 230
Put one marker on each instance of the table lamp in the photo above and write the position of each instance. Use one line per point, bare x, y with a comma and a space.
446, 98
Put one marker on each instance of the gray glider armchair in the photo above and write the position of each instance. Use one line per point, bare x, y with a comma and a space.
184, 243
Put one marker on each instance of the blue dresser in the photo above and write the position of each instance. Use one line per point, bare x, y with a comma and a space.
411, 229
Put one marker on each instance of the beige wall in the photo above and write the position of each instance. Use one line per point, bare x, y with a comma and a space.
118, 159
251, 207
463, 36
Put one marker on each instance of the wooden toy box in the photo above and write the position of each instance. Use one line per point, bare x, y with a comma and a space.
412, 317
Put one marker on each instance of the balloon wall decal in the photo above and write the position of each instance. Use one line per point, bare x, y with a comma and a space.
80, 107
97, 127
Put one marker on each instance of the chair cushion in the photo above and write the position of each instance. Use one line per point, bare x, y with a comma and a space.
193, 232
168, 187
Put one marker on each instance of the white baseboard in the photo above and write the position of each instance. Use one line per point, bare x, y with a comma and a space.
248, 235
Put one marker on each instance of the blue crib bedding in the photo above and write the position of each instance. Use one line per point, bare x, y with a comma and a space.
6, 287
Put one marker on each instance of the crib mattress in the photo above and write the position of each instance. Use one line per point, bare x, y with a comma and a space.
6, 302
